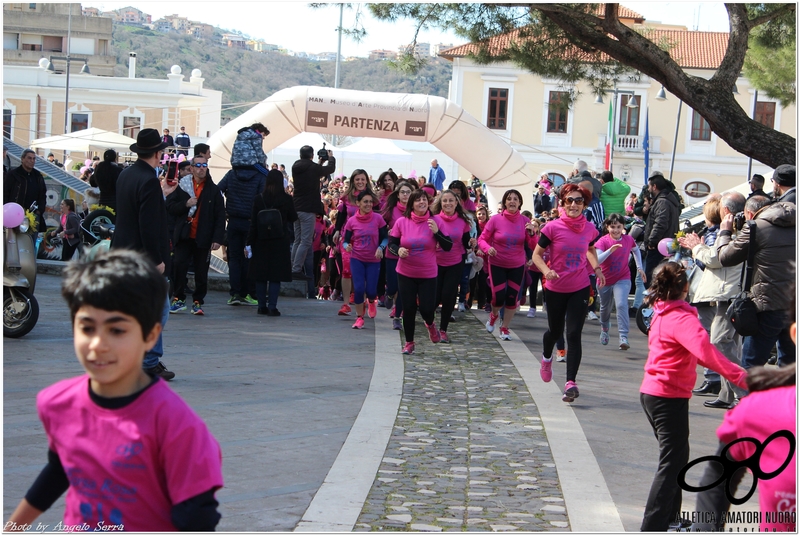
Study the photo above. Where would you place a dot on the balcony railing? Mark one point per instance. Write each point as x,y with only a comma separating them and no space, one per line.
630,143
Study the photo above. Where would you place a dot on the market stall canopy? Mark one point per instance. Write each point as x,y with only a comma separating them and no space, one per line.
91,139
370,148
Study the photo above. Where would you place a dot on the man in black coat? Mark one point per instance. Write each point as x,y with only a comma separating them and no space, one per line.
784,182
25,185
141,223
197,233
169,140
541,202
756,184
307,202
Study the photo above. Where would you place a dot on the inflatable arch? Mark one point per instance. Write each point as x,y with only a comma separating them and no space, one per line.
382,115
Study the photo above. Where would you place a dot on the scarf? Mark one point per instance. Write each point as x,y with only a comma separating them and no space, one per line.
419,218
575,224
401,207
513,218
448,218
363,217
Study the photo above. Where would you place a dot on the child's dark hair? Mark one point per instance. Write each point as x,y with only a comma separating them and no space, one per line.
118,280
668,283
366,193
612,219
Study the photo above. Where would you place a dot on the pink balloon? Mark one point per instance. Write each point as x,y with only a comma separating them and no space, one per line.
87,163
664,246
13,215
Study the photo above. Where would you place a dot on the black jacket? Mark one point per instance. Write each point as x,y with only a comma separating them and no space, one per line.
664,218
141,214
24,188
210,211
106,175
541,203
240,187
306,175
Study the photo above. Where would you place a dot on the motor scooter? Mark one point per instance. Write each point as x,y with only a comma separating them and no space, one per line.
20,308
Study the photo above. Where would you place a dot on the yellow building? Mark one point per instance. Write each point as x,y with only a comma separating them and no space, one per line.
524,109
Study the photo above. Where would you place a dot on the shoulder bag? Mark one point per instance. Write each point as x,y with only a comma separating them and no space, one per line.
270,223
742,311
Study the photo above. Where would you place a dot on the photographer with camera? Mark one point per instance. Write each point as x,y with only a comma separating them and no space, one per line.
774,273
307,175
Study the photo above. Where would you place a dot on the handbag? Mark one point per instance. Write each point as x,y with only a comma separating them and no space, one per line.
270,223
742,311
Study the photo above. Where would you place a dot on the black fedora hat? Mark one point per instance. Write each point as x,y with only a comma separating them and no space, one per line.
148,140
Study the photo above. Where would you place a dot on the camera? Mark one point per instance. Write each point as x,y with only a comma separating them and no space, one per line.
738,221
322,153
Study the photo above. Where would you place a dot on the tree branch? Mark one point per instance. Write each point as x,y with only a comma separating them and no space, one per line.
762,19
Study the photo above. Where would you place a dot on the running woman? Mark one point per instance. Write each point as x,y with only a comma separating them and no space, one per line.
462,192
394,210
385,185
483,289
453,222
570,240
613,251
365,238
535,274
413,239
503,241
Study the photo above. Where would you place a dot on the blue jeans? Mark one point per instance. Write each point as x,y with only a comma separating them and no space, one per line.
464,283
261,291
238,264
619,292
364,279
638,300
773,327
153,357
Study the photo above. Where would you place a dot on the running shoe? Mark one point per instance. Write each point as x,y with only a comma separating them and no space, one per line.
408,349
435,336
381,302
396,324
561,355
504,333
249,300
546,369
358,323
197,309
487,308
444,337
592,315
176,306
234,300
604,337
623,343
531,313
461,307
393,312
372,309
570,392
492,319
389,303
345,310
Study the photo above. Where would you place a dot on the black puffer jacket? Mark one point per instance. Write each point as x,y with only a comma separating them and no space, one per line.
240,186
664,218
775,255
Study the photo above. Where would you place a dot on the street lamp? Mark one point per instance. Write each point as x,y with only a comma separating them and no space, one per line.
662,96
83,70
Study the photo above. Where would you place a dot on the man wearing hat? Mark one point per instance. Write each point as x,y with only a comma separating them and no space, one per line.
784,180
141,222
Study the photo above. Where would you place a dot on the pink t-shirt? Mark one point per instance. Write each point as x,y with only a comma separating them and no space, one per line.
506,234
420,241
396,215
365,236
758,416
532,241
319,229
455,230
568,255
128,466
617,266
468,205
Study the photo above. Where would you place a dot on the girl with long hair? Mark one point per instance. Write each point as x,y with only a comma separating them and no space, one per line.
385,185
393,210
68,230
482,214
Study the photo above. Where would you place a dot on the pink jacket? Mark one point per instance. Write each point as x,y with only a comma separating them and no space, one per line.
677,342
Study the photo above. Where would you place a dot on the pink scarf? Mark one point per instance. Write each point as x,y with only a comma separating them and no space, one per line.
419,218
363,217
448,218
511,217
401,207
575,224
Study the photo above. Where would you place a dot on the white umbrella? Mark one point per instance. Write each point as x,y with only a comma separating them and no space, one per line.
85,141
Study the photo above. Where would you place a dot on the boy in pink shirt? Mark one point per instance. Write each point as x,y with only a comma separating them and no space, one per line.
130,453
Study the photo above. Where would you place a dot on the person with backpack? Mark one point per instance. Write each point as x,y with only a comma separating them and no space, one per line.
268,243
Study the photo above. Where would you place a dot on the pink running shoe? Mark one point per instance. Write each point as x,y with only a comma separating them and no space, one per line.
492,319
345,310
570,392
358,323
444,337
393,312
435,336
372,309
546,369
408,349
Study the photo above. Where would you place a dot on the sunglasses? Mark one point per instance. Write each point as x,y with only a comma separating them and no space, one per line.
200,165
573,200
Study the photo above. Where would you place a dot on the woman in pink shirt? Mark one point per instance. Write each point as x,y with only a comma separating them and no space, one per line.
393,210
453,222
503,241
385,185
677,341
365,239
572,256
413,239
535,274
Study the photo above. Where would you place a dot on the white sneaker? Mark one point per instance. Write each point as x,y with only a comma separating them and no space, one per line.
592,316
531,313
461,307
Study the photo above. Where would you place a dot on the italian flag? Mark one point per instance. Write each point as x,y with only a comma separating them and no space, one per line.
609,138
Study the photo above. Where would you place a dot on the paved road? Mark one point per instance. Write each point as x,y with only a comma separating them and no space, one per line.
460,437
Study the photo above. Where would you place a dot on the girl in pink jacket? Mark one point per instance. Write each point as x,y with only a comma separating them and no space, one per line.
677,342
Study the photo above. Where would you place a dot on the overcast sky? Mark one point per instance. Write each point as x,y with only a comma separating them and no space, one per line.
296,26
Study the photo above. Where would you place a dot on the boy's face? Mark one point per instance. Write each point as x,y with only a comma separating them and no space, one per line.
111,348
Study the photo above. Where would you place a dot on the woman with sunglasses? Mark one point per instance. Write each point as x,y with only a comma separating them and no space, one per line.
503,242
572,256
413,239
393,210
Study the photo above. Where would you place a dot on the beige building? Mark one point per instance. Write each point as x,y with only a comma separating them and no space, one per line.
525,109
32,31
201,30
382,54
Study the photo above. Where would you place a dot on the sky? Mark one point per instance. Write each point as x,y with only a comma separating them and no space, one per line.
298,27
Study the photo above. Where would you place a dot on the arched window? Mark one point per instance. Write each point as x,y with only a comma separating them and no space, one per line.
697,189
557,179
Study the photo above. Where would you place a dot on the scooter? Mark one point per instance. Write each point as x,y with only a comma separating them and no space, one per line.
20,308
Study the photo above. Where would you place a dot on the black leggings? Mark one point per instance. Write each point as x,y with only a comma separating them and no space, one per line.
505,284
447,290
409,289
567,309
536,276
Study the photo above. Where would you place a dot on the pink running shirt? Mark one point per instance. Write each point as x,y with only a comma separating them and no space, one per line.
365,236
617,266
420,241
455,230
506,234
567,255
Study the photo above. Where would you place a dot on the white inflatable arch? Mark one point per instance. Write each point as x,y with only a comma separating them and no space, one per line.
383,115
